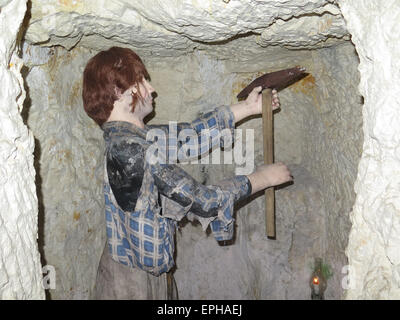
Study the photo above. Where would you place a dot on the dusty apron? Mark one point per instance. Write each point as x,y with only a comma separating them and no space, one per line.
116,281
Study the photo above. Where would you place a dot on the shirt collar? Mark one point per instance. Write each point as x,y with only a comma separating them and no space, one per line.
116,127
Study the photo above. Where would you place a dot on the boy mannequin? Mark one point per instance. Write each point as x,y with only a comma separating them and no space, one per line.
144,201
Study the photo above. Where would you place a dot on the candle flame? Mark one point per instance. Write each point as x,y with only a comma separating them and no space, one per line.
315,280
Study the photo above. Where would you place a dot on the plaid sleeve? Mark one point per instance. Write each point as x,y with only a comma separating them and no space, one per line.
219,120
189,140
183,195
232,190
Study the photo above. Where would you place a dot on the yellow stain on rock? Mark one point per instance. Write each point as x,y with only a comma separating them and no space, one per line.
305,85
243,82
64,156
68,154
77,215
237,87
75,93
70,3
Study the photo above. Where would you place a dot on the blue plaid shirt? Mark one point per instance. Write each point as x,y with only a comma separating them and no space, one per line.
145,199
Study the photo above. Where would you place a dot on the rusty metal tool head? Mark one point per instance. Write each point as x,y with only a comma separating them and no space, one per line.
275,80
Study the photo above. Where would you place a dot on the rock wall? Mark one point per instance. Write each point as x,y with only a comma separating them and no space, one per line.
315,115
374,243
333,148
312,215
173,28
69,149
20,269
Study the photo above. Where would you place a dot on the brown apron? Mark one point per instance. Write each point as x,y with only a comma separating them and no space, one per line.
117,281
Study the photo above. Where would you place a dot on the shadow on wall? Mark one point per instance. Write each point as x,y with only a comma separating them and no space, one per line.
38,177
37,152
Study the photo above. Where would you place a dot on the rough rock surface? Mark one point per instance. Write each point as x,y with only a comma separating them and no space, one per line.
70,166
312,214
374,243
20,269
171,28
333,147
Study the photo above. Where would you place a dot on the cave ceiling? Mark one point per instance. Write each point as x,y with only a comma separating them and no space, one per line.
236,29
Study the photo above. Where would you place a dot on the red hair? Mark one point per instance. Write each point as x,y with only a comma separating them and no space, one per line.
117,68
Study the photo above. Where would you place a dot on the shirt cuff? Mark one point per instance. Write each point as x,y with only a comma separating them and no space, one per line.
226,120
229,192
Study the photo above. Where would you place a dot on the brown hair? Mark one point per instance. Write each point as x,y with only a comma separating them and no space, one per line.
115,68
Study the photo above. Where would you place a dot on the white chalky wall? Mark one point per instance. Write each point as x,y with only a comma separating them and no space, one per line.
20,268
374,243
70,165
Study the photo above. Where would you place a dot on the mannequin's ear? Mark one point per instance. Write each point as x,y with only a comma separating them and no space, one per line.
134,88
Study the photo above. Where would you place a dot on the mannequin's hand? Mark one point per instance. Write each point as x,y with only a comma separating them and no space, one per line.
269,175
253,104
254,100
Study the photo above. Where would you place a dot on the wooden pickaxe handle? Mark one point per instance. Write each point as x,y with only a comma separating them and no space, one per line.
277,80
268,143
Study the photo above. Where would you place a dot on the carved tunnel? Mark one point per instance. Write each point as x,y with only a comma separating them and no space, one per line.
337,130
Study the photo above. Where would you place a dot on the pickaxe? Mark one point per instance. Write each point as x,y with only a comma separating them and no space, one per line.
275,80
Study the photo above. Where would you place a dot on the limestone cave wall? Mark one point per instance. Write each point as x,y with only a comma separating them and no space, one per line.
309,138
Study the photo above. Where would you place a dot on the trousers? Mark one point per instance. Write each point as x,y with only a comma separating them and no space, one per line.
116,281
